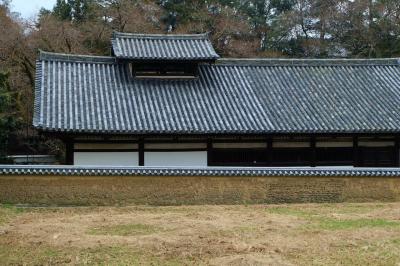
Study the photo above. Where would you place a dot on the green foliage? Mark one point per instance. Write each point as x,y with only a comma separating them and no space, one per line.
43,12
320,28
72,10
178,12
266,18
62,10
8,121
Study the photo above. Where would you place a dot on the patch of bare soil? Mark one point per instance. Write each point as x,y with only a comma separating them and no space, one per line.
215,235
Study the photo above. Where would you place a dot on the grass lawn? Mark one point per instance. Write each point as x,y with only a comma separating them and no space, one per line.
302,234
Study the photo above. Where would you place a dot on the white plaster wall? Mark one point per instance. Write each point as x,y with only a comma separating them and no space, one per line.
106,158
176,158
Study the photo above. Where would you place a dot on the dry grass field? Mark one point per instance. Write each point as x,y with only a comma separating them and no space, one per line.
303,234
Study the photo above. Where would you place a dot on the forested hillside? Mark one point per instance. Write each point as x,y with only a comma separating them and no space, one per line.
238,28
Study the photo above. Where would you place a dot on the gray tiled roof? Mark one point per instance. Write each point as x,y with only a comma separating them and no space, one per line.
163,47
208,171
96,94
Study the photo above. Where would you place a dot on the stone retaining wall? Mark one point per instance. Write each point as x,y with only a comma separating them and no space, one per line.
36,189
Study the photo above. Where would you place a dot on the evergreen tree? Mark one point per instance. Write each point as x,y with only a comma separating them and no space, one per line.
80,9
265,18
73,10
8,122
62,10
179,12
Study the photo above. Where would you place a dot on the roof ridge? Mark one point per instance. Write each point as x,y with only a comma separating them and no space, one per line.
198,36
309,61
75,57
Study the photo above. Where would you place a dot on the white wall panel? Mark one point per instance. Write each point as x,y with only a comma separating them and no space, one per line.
183,158
106,158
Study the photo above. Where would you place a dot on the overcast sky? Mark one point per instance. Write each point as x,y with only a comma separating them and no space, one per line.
30,8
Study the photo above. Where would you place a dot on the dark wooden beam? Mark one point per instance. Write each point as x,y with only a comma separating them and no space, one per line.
106,150
62,135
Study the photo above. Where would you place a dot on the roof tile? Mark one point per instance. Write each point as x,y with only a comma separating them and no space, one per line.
208,171
163,47
98,95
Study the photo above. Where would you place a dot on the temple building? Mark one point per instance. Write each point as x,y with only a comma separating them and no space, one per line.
170,100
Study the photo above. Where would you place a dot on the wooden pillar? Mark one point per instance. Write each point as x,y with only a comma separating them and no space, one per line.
269,151
313,152
69,152
209,152
356,152
141,152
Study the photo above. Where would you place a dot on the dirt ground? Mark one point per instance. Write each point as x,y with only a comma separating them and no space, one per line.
304,234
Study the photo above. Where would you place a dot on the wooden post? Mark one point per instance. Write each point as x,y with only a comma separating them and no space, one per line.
397,150
313,153
269,151
141,152
209,151
356,153
69,152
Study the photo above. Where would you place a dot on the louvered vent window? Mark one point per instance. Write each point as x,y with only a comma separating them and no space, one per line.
164,70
